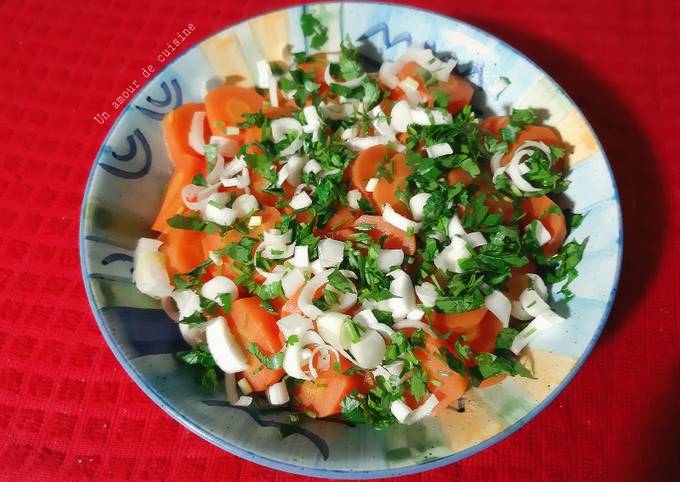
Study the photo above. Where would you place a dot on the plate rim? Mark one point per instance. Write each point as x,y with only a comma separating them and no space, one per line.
204,433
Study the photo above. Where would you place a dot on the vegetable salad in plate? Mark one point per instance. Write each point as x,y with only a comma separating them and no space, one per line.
357,244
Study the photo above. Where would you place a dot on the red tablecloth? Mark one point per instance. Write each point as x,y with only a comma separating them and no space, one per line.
69,412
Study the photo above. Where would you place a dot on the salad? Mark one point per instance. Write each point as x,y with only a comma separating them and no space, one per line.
358,243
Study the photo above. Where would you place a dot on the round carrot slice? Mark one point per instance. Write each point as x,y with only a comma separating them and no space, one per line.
397,171
226,105
550,215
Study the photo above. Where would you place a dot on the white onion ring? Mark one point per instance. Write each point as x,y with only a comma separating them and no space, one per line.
199,193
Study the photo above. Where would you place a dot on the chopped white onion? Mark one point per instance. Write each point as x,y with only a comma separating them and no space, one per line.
294,166
500,306
149,274
223,346
281,128
196,133
449,257
244,205
361,143
400,116
307,294
233,167
387,258
311,117
409,87
231,131
223,216
439,150
331,327
243,401
427,60
397,220
423,410
512,169
400,410
415,314
187,303
264,74
196,197
538,284
369,351
292,281
274,237
192,334
495,163
427,294
300,201
518,312
301,257
546,320
219,285
475,239
455,227
254,221
226,147
367,319
543,236
418,325
426,117
379,121
277,394
532,302
245,387
353,197
388,76
417,205
331,252
292,323
372,184
293,359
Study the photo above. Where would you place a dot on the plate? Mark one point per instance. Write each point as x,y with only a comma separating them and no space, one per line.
123,195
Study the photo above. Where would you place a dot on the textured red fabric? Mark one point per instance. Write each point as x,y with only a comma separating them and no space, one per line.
68,411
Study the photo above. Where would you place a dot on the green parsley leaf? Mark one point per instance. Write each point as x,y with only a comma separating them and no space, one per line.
272,362
314,30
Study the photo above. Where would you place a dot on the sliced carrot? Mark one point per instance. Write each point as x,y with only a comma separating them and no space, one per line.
183,250
290,307
172,200
415,71
252,134
212,242
386,190
484,338
324,395
342,219
457,322
495,201
226,105
459,175
277,112
491,381
254,324
365,166
458,89
518,281
176,127
447,384
493,124
396,238
538,208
